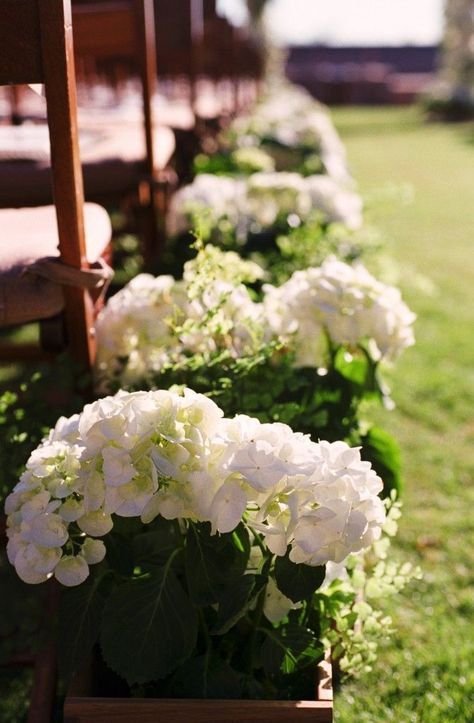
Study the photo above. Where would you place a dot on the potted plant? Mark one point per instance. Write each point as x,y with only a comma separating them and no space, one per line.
193,546
86,709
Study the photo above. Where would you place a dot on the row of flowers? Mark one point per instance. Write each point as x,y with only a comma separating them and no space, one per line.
155,322
224,515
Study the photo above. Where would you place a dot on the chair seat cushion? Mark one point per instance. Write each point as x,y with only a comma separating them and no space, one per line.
169,113
112,162
31,234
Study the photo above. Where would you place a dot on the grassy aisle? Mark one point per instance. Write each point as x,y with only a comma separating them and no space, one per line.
426,673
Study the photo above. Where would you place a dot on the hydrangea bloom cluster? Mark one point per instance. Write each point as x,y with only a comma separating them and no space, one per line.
220,197
145,454
153,322
135,330
336,202
258,201
270,195
292,118
345,302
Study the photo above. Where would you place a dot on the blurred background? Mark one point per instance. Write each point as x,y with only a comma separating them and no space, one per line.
365,52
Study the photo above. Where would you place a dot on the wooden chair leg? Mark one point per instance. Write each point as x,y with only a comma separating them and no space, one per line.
147,214
43,693
44,686
153,205
53,334
79,315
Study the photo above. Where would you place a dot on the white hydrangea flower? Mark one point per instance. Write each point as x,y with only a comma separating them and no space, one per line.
93,551
293,118
217,196
233,321
266,456
343,513
228,506
47,530
175,455
95,524
29,564
335,201
276,605
71,509
43,559
270,195
259,200
152,323
117,467
135,328
335,571
346,302
71,570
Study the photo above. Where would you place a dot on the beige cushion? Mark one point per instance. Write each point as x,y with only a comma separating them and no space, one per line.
166,112
28,235
112,162
127,143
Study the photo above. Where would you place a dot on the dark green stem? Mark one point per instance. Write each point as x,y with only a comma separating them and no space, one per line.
258,616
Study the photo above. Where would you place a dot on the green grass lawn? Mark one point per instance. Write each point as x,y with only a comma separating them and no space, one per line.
426,672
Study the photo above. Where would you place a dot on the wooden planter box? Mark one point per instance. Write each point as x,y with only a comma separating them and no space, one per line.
83,709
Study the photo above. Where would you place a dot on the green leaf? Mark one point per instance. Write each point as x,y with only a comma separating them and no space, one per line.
354,368
297,581
119,553
285,412
379,448
213,562
157,543
80,615
149,627
272,653
289,648
234,604
206,677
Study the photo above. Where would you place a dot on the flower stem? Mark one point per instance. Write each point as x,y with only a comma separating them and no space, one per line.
258,615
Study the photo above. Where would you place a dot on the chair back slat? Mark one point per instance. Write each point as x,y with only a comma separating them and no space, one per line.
173,37
110,30
105,30
145,27
60,89
209,9
20,44
36,46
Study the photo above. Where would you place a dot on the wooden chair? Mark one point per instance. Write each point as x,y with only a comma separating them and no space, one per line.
124,159
177,24
48,254
232,60
180,30
111,34
174,40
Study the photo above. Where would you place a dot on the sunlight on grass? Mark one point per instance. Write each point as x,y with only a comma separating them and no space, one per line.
425,674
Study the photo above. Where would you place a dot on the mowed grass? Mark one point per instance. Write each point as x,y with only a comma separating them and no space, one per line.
426,673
